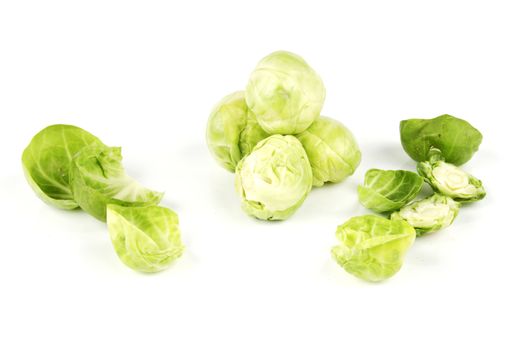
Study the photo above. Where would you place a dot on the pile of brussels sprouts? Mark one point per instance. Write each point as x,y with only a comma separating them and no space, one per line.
274,138
68,167
373,247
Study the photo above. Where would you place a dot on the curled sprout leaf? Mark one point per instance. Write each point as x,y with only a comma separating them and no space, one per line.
388,190
332,150
457,139
372,247
274,179
98,179
450,180
146,239
46,161
430,214
232,130
285,93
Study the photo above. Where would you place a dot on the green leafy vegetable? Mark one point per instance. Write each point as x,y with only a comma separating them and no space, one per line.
450,180
372,247
430,214
388,190
332,150
47,158
98,179
146,239
456,138
232,130
274,179
285,93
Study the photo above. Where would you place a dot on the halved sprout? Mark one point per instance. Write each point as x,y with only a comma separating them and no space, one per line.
146,239
98,179
388,190
285,93
274,179
332,150
372,247
450,180
430,214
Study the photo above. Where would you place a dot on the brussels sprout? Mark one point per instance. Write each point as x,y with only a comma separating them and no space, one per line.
387,190
373,248
146,239
274,179
232,130
46,162
284,93
98,178
332,150
450,180
430,214
456,138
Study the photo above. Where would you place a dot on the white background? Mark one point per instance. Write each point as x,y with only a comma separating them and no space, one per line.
145,74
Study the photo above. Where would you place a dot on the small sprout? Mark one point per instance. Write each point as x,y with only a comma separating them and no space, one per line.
332,150
46,161
373,248
450,180
388,190
98,179
146,239
430,214
274,179
285,93
456,138
232,130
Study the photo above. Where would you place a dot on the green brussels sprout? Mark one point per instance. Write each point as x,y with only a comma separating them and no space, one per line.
98,179
46,162
388,190
456,138
285,93
450,180
146,239
332,150
274,179
430,214
232,130
373,248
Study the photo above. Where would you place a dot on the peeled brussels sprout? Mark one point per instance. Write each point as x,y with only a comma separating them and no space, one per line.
332,150
430,214
284,93
456,138
146,239
98,179
232,130
450,180
373,248
46,162
388,190
274,179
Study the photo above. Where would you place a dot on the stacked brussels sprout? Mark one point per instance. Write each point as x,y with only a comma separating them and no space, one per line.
68,167
274,139
373,247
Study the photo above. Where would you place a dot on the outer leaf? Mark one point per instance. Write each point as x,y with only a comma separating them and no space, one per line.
387,190
98,179
372,247
146,239
332,150
47,158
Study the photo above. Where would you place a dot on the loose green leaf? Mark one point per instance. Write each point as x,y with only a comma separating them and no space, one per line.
332,150
274,179
146,239
373,248
388,190
98,179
